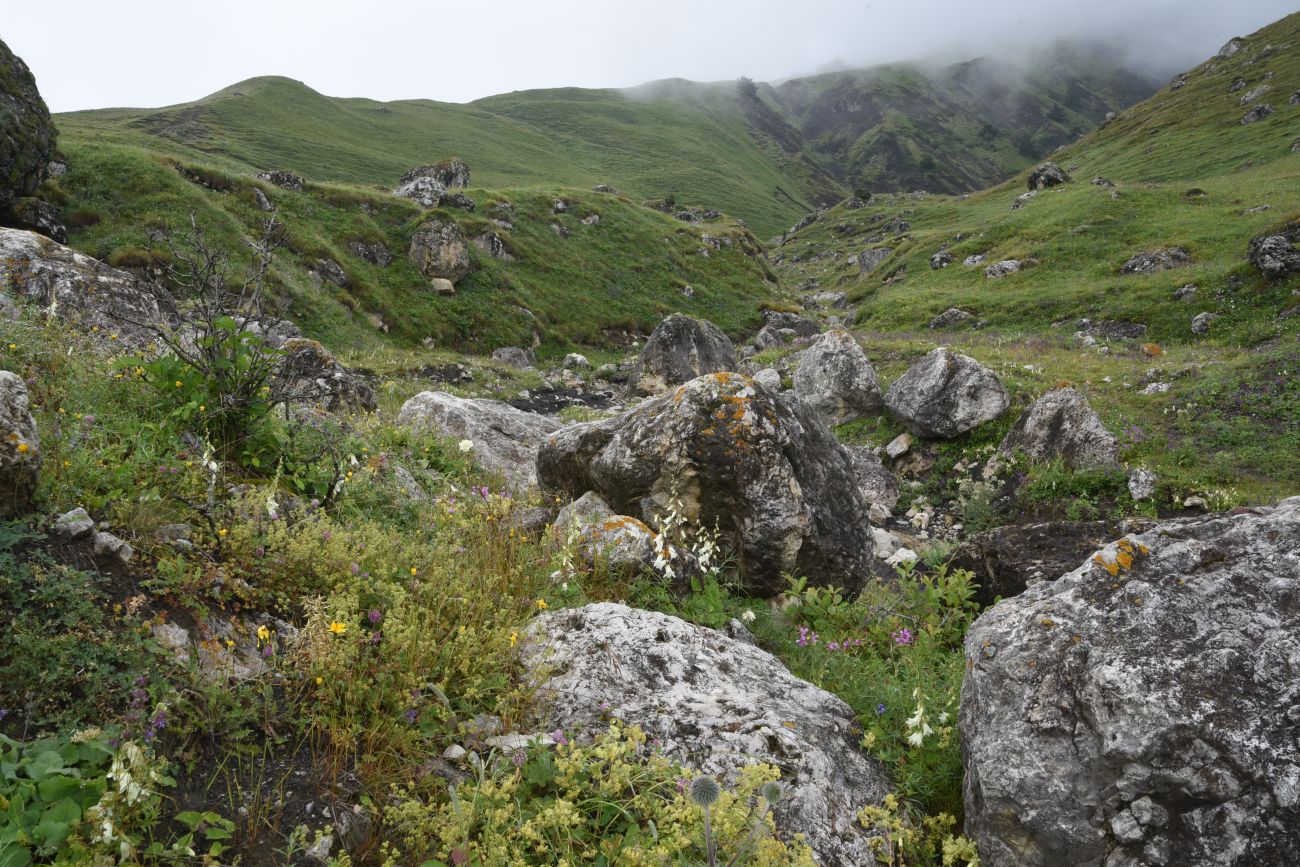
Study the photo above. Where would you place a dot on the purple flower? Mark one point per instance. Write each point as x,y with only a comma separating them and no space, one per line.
356,569
519,758
903,636
326,536
412,715
682,783
4,712
259,552
807,637
374,615
268,652
559,738
880,709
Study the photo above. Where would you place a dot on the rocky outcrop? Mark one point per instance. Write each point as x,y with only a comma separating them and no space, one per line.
1008,560
1257,113
945,395
429,184
1003,268
308,373
502,439
492,245
756,464
679,350
1061,424
1142,708
27,135
1276,253
941,260
953,317
20,449
438,249
1047,175
878,486
515,356
836,381
1154,261
283,180
84,292
373,252
715,704
869,260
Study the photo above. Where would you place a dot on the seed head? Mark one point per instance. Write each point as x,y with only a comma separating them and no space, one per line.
705,790
771,792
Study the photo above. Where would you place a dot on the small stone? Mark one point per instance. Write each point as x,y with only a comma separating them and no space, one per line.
1186,293
902,555
73,525
1142,484
899,446
454,753
1125,828
1194,503
1157,388
1201,323
1148,812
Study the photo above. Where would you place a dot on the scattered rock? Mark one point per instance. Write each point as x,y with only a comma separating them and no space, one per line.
715,704
1061,424
438,249
1002,269
756,463
680,349
1276,253
1295,98
373,252
31,213
429,184
331,272
1153,261
898,446
503,439
283,180
603,536
1047,175
20,450
945,394
973,260
941,260
877,485
84,292
952,318
515,356
836,381
1157,388
73,525
1099,181
1252,95
1201,322
1008,560
1257,113
1113,329
1186,293
458,200
308,373
869,260
1097,722
491,244
769,379
605,188
1231,47
1024,199
112,554
262,202
1142,484
575,361
28,141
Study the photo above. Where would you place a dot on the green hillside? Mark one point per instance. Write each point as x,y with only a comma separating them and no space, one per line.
960,128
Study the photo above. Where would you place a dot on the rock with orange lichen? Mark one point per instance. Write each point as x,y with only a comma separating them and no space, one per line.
680,349
600,535
755,463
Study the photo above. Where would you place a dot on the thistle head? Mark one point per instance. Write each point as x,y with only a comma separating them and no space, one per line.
771,792
705,790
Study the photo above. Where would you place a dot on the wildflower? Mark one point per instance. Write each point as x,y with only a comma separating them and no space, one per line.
806,637
519,758
263,634
514,638
414,571
223,532
230,644
559,738
903,636
338,628
747,616
412,715
466,445
23,448
179,384
880,709
541,605
319,681
268,652
374,615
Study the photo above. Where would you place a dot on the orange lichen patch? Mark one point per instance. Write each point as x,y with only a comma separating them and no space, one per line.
1047,621
1065,383
723,377
1143,549
1124,559
1112,568
1153,349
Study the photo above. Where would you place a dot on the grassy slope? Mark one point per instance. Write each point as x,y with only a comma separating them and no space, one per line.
633,263
1230,426
690,140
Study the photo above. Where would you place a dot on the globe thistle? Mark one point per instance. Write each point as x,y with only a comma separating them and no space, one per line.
772,792
705,790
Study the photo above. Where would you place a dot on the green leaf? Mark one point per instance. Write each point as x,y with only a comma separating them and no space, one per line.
14,855
52,789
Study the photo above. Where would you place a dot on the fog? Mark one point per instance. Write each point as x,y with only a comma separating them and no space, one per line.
92,54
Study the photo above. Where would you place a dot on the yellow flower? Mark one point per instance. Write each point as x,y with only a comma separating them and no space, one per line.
179,383
541,605
414,571
230,644
263,634
514,637
222,532
319,681
338,628
23,447
203,408
13,346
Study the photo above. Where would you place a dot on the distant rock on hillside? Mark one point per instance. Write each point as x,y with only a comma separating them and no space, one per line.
1142,709
27,135
439,250
429,184
1276,253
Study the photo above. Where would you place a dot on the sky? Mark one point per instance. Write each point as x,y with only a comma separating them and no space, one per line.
145,53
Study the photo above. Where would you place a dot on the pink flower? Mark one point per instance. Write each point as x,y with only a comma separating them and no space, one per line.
904,636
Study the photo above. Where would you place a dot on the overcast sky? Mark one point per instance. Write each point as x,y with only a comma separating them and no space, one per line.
100,53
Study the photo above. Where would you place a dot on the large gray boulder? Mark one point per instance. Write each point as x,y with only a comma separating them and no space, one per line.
451,174
439,250
1143,709
836,381
1061,424
503,439
1276,253
307,372
27,135
20,448
28,212
680,349
756,463
84,292
877,485
715,704
946,394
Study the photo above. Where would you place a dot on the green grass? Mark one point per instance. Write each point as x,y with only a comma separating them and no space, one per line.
624,273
